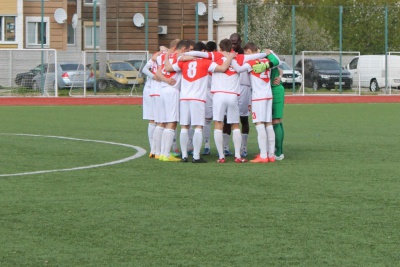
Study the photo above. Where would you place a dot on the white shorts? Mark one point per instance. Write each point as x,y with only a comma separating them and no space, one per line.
192,113
158,114
244,100
225,104
169,104
262,111
148,107
209,103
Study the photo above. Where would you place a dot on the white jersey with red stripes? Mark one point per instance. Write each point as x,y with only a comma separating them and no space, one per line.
226,82
173,58
155,85
260,82
195,78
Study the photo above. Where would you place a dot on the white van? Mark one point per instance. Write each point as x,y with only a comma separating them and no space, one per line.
369,71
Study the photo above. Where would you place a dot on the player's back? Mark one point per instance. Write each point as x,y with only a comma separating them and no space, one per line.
225,82
195,78
260,82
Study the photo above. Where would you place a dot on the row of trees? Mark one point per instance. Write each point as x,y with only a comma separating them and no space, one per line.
318,24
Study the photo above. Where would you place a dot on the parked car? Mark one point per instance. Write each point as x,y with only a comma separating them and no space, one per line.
369,71
25,78
323,72
137,63
287,76
68,74
120,74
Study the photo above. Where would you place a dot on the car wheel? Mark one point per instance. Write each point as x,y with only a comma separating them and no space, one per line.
25,83
102,84
373,87
118,85
35,86
315,85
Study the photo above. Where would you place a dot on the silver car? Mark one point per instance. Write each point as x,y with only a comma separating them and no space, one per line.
287,76
69,75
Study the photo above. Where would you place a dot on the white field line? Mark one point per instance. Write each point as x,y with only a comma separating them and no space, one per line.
140,152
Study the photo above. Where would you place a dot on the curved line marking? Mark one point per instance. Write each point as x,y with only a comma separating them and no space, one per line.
140,153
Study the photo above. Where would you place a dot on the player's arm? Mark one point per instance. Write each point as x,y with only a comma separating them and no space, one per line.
226,64
277,74
199,54
273,58
146,69
162,78
243,68
167,65
273,61
254,56
186,58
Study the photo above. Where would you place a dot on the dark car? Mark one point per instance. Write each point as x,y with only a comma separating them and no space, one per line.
25,78
137,63
324,72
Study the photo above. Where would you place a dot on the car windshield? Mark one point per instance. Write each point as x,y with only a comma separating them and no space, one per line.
121,66
327,65
71,66
285,66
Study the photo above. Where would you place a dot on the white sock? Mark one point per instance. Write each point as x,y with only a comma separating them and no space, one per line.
226,139
184,140
270,140
244,141
207,133
197,142
168,138
190,144
262,140
174,143
150,132
218,143
157,139
237,141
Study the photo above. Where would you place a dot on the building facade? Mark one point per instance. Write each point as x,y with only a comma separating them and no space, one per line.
77,25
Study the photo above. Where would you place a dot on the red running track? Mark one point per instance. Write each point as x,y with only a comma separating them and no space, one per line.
70,101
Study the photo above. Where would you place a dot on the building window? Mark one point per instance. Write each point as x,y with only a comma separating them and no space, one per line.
89,37
34,32
71,35
7,29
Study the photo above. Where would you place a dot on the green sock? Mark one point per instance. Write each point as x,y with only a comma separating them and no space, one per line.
283,136
278,139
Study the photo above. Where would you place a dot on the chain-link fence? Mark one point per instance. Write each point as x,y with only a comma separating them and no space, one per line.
292,30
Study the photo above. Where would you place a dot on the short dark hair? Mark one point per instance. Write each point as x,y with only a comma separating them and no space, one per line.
191,43
225,45
251,46
182,44
199,46
211,46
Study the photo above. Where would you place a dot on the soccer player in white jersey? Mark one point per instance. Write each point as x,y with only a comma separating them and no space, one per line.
150,94
262,103
155,96
193,98
211,46
244,99
169,96
225,89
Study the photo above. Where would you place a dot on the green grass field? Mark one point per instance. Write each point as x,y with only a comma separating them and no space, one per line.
333,201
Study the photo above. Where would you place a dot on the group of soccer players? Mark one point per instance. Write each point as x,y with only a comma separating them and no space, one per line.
194,84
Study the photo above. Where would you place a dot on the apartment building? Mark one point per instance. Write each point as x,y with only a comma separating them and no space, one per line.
76,25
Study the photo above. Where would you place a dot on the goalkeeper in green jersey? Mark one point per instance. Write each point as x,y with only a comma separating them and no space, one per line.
278,101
